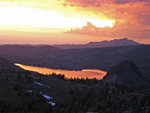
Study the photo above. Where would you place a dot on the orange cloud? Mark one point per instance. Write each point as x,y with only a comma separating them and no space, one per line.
119,30
98,3
132,11
132,18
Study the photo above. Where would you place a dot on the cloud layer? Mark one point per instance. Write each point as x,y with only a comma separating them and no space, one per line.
132,17
98,3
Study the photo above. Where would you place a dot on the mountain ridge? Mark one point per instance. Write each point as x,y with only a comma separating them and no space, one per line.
101,44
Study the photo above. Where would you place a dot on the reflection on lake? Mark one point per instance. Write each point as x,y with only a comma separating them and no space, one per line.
85,73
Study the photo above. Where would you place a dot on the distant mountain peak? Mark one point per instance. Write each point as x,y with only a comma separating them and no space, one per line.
116,40
111,43
102,44
124,39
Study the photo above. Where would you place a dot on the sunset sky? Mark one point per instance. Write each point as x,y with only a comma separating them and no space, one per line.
73,21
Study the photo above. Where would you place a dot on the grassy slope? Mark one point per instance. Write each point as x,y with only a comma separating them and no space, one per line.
58,88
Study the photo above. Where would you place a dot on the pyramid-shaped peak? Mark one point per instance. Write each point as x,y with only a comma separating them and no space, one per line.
126,73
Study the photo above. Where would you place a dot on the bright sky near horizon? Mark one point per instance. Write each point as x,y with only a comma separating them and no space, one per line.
73,21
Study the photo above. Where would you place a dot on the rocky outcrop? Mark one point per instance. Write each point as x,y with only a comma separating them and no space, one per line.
127,74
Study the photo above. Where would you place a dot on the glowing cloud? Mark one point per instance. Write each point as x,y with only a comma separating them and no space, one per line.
26,16
59,16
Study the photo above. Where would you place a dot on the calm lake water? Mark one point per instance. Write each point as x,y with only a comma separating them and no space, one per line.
85,73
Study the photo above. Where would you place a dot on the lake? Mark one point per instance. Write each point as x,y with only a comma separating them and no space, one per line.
85,73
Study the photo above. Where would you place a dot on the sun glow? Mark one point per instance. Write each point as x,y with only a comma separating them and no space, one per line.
27,16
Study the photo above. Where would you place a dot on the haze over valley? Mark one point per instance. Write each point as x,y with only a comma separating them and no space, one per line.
78,59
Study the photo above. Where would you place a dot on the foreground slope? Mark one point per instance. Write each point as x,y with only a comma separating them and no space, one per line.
6,66
23,92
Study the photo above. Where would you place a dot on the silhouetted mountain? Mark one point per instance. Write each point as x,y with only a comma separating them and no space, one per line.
127,74
111,43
